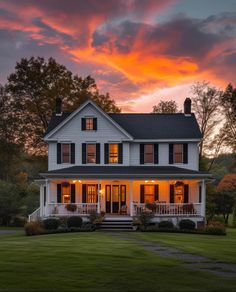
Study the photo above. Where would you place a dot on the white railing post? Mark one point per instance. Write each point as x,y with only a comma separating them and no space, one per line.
203,197
99,197
131,198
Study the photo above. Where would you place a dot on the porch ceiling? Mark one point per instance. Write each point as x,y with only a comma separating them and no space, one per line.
127,172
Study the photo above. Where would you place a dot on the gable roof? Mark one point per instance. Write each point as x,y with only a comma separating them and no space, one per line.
141,126
57,121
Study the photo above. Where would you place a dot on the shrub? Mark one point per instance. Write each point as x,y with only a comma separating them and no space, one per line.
74,221
166,225
144,218
218,219
71,207
33,228
51,223
217,229
95,218
187,224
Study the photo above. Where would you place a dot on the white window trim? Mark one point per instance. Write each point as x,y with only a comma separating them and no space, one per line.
178,163
149,163
69,153
87,153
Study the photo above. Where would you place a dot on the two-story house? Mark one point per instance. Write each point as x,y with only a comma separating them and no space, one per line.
122,163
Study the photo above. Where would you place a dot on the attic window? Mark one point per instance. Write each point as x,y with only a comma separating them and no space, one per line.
89,123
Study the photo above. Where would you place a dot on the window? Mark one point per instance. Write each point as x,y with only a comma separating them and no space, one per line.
65,194
178,153
91,153
179,194
149,194
113,153
91,194
65,153
89,123
148,153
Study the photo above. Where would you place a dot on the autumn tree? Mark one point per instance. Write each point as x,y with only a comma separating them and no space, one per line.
206,106
228,102
166,107
33,88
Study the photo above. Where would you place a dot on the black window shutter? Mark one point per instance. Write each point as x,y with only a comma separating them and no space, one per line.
185,148
84,153
186,191
171,154
120,153
141,193
72,148
58,193
156,194
95,124
156,153
72,193
44,196
172,194
83,124
98,153
58,153
141,153
106,153
200,194
84,193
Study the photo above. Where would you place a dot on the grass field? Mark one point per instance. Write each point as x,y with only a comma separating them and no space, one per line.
100,262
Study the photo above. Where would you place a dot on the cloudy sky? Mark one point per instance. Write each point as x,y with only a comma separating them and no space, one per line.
140,51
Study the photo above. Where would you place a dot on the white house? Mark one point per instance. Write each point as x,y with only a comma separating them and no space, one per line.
122,164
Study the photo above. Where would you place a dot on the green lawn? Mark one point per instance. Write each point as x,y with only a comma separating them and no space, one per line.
96,262
221,248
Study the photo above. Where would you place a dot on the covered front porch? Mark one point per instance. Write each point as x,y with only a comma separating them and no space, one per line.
121,197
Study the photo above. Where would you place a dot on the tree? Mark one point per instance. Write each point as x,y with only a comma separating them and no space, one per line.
166,107
228,102
224,202
206,102
33,88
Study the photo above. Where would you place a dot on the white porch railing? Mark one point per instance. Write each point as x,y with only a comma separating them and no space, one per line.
168,209
35,215
60,209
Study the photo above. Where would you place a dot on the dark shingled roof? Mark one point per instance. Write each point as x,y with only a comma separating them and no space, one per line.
125,172
149,126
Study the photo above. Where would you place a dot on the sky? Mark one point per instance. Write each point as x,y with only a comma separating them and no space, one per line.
140,51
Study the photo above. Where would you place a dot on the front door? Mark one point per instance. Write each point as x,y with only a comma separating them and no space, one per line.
115,198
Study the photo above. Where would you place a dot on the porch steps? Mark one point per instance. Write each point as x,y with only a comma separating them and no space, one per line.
117,224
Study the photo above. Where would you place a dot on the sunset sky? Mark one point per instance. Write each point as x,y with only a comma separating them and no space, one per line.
140,51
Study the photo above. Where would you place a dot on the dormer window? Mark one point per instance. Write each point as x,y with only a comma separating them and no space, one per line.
89,124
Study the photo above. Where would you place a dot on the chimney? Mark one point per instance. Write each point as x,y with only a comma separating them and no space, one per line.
187,106
58,106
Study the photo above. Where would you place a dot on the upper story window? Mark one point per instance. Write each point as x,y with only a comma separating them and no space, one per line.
65,153
178,153
89,124
91,153
148,153
113,153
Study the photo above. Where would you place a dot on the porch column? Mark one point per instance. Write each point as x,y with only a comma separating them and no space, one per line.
203,195
46,208
99,197
131,198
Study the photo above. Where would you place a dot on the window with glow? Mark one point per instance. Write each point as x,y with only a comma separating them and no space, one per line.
178,153
65,192
148,153
91,194
65,153
91,153
113,153
179,194
149,193
89,123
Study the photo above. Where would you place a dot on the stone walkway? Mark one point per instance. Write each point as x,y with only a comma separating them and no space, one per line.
4,232
191,261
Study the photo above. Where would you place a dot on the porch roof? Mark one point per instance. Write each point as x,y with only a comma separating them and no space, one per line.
126,172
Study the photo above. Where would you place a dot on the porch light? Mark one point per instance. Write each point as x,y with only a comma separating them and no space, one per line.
146,181
153,181
74,181
79,181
